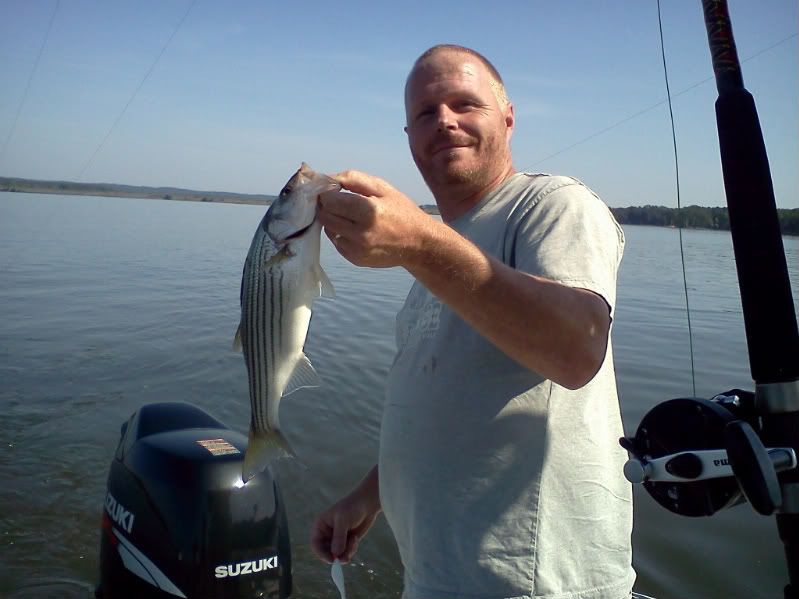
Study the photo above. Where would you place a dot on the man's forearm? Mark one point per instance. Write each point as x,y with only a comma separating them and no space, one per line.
558,331
369,488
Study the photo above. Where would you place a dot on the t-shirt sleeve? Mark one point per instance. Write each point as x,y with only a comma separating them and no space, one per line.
567,234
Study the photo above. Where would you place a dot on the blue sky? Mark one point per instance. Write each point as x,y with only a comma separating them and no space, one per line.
246,90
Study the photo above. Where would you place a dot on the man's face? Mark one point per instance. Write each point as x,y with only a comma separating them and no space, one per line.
458,130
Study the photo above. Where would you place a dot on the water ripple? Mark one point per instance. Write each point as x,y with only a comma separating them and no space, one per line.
110,304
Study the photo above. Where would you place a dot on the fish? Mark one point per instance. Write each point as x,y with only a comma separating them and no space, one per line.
281,279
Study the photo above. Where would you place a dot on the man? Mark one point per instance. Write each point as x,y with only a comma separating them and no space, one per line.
499,469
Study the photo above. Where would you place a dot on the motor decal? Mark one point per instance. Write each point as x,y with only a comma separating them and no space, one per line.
244,568
118,513
141,566
218,446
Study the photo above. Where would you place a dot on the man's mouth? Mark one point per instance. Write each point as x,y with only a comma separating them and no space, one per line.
447,147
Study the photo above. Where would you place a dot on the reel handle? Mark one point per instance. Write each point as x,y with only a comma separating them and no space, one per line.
755,468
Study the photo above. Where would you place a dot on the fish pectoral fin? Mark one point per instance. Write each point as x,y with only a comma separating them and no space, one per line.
303,375
237,339
325,286
276,258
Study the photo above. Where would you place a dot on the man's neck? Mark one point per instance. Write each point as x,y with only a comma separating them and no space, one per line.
454,202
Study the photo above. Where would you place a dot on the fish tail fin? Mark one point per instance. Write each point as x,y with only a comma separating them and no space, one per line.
262,450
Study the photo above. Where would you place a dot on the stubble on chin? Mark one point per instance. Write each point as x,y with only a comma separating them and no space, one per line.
454,174
459,172
438,172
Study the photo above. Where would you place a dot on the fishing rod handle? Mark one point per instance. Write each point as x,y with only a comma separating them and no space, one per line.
722,46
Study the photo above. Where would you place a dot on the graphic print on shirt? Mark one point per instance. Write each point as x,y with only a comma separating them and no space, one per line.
419,318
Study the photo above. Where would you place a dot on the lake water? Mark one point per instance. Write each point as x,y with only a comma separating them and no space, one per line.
107,304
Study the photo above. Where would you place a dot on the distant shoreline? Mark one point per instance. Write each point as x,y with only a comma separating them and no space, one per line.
690,217
113,190
143,196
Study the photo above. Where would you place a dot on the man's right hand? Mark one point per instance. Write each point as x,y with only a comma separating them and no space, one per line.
373,224
337,531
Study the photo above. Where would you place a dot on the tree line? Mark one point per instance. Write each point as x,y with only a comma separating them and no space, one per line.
690,217
696,217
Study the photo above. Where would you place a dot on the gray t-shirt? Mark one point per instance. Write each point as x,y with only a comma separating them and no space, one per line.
496,482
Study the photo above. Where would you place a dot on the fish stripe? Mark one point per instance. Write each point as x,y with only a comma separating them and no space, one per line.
261,334
251,359
279,335
255,334
253,325
245,320
268,363
269,360
251,345
256,338
262,312
275,345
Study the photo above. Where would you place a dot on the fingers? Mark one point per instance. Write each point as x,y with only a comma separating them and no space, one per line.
340,202
341,528
352,547
334,536
320,539
373,223
345,206
334,222
362,183
336,541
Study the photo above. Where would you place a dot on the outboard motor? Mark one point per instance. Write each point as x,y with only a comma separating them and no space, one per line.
179,522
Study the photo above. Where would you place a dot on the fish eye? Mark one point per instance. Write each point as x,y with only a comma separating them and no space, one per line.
286,190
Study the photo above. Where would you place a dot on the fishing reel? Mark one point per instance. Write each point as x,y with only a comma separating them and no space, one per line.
698,456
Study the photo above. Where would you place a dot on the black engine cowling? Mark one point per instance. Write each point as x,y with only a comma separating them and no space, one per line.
179,522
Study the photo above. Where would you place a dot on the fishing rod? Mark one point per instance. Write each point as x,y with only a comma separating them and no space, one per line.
769,317
697,456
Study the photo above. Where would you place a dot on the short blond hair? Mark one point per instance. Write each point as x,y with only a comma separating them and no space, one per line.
496,83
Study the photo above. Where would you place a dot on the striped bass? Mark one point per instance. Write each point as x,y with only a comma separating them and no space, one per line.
282,277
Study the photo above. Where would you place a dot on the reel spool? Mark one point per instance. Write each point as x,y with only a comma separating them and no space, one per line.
697,456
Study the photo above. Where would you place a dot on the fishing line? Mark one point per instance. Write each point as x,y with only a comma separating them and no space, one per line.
679,206
28,86
653,106
135,92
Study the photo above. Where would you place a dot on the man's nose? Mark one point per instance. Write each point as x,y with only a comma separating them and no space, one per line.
446,118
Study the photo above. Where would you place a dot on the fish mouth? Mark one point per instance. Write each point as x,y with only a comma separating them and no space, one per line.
285,231
297,234
282,230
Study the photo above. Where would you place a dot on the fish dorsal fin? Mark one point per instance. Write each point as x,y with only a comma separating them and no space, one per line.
303,375
325,286
237,339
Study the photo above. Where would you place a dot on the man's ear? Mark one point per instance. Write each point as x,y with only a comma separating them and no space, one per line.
510,120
